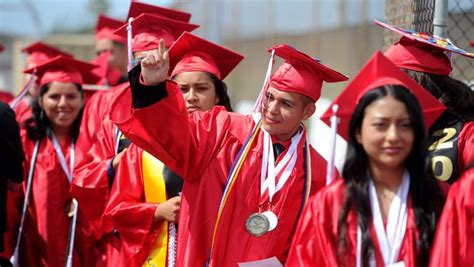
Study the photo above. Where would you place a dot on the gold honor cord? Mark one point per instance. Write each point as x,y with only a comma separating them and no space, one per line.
233,173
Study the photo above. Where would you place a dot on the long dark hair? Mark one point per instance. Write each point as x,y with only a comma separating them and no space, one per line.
221,91
454,94
37,125
426,196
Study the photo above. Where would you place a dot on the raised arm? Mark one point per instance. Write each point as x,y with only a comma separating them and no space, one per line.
154,117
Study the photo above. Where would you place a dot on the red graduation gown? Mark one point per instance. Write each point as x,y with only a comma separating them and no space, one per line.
201,149
130,213
315,240
23,111
47,225
6,96
466,146
454,240
90,184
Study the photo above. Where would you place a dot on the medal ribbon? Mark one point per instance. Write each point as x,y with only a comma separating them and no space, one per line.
308,174
62,159
235,170
390,241
233,173
268,163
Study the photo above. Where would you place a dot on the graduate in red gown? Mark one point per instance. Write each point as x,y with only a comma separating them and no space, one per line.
111,51
384,210
108,42
451,137
238,214
144,199
95,171
38,53
51,134
146,30
453,244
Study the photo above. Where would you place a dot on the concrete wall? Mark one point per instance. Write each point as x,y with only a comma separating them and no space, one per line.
345,49
80,45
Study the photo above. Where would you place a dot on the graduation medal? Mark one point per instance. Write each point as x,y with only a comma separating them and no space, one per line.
259,224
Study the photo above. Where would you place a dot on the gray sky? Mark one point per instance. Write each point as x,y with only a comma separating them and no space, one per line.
16,16
293,16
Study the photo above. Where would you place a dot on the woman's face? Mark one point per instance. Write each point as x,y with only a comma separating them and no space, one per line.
198,90
61,104
386,133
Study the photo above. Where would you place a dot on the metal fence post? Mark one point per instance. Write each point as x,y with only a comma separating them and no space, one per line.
440,19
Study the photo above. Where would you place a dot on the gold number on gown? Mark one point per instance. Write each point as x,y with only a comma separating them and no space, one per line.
444,142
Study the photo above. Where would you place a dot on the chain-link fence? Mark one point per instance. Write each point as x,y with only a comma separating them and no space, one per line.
418,15
461,32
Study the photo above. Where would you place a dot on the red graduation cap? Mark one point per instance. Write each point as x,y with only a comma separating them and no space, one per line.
301,74
106,27
408,55
65,69
192,53
421,51
377,72
138,8
39,53
148,29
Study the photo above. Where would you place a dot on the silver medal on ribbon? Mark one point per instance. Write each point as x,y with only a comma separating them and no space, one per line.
259,224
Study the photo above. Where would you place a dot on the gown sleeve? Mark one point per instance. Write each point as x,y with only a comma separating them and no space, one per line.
161,126
453,244
130,214
90,185
466,146
314,242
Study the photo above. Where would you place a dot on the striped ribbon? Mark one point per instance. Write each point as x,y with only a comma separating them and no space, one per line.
308,172
233,173
235,170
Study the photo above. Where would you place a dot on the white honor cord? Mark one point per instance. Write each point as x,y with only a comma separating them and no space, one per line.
332,145
72,233
390,241
268,164
129,44
172,232
62,159
118,133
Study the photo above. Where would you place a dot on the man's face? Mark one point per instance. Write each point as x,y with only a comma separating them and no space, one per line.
283,112
118,53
